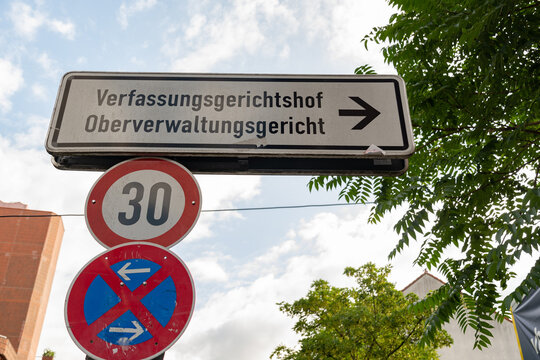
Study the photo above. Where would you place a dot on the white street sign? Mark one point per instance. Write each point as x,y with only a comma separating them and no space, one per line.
218,115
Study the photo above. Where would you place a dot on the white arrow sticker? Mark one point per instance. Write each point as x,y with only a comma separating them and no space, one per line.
137,331
124,271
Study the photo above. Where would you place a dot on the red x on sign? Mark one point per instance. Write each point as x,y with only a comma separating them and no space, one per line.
131,302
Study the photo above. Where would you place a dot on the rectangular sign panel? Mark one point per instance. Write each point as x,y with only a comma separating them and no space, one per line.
230,116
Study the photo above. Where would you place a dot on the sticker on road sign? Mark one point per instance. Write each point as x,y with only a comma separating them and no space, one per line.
145,199
133,301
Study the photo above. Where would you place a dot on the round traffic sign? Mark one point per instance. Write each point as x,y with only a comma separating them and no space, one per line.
131,302
144,199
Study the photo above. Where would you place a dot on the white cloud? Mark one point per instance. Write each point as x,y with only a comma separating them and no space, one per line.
196,24
269,261
35,134
27,21
65,28
137,61
217,33
39,91
284,53
81,60
50,67
222,192
242,324
31,178
220,33
12,80
128,9
208,269
225,190
343,24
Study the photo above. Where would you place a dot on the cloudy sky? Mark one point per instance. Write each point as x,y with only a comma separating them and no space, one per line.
242,262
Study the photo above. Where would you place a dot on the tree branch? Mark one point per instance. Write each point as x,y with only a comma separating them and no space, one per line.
530,6
406,339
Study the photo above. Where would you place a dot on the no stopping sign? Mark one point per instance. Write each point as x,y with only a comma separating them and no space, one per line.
146,199
133,301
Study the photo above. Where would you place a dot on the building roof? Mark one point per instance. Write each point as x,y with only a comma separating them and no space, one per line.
426,273
13,205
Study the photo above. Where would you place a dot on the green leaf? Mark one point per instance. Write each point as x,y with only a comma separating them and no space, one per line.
473,184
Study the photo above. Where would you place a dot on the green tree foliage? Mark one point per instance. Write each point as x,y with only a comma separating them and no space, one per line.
48,353
472,74
371,320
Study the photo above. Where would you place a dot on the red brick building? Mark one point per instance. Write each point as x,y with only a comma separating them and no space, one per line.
29,246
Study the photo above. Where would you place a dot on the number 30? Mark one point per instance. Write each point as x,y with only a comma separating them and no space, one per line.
151,212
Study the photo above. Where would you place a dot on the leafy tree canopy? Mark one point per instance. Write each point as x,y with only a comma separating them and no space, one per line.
472,74
371,320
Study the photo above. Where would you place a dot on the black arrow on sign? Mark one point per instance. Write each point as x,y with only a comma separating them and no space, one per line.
368,111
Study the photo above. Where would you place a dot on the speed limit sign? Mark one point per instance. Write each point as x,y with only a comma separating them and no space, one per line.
145,199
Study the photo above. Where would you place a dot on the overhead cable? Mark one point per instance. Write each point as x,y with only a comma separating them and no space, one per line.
281,207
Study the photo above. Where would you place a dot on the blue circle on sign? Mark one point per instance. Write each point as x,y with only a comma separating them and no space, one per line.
127,329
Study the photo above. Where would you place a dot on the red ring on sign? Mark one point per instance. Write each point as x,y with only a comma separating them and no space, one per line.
163,337
192,207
